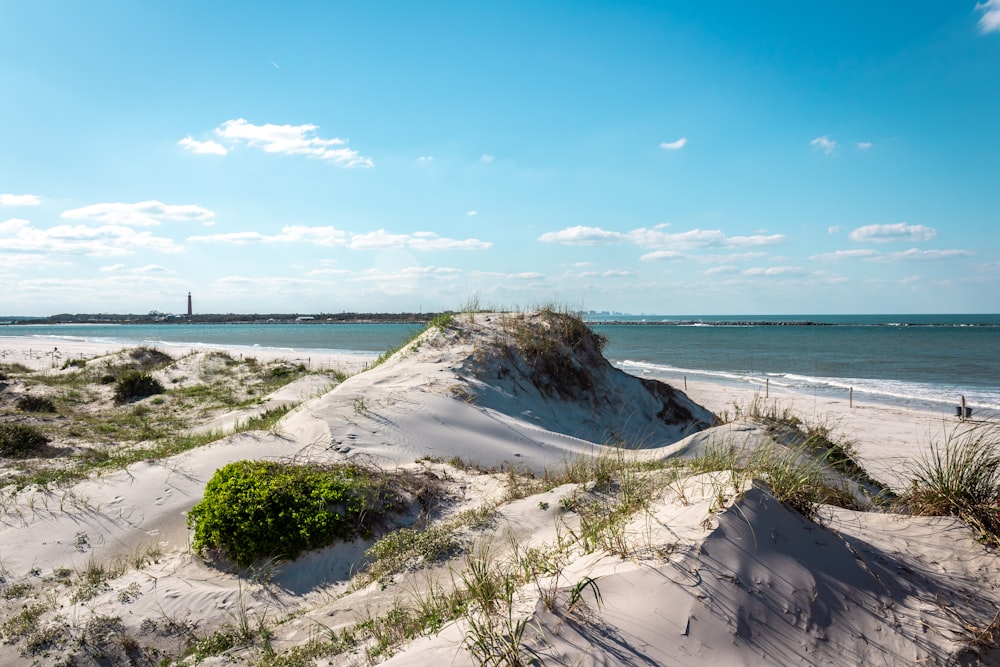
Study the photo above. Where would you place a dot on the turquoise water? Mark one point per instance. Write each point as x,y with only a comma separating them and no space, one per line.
925,361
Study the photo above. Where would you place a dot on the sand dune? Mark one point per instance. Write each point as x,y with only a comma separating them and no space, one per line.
711,570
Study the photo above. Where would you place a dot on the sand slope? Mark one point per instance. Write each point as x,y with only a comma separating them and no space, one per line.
459,391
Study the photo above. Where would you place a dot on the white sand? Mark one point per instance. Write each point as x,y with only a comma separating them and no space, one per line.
756,584
28,352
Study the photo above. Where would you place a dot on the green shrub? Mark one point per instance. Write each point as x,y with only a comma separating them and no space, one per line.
133,384
264,509
20,440
35,404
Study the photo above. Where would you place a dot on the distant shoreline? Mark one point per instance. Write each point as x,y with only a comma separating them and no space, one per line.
424,318
229,318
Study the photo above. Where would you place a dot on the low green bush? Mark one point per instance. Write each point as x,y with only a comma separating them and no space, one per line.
35,404
264,509
20,440
134,384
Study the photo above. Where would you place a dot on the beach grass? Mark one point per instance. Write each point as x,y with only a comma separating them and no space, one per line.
960,477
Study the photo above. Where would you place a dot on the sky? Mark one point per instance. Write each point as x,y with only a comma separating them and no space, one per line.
688,157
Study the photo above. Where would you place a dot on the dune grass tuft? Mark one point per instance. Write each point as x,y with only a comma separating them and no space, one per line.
960,477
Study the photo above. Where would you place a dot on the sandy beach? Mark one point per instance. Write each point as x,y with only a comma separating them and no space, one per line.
713,570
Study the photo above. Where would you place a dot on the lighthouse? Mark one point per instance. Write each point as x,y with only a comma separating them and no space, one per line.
189,304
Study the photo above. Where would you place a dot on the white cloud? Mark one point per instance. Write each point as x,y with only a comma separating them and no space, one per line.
899,231
15,261
835,229
141,214
425,158
324,236
202,147
844,254
864,145
755,240
20,200
487,158
824,143
773,271
381,239
430,241
674,145
292,140
235,238
990,20
333,237
667,243
661,254
927,255
321,236
111,267
378,240
495,277
698,238
471,213
732,257
580,235
718,270
614,273
106,241
328,272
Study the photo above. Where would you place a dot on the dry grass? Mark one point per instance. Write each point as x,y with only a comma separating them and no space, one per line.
960,477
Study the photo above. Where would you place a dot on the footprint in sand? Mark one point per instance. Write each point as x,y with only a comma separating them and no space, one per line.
166,493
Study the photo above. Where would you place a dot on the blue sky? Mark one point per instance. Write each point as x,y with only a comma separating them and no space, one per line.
673,157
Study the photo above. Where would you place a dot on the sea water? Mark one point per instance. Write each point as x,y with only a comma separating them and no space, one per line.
922,361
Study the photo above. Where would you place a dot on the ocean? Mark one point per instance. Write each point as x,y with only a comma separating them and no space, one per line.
921,361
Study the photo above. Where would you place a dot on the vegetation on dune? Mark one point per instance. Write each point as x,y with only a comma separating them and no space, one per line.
21,440
133,384
960,478
35,404
264,509
103,427
557,347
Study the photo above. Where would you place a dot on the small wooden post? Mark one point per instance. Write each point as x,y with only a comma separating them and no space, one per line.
685,383
962,415
850,402
767,387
